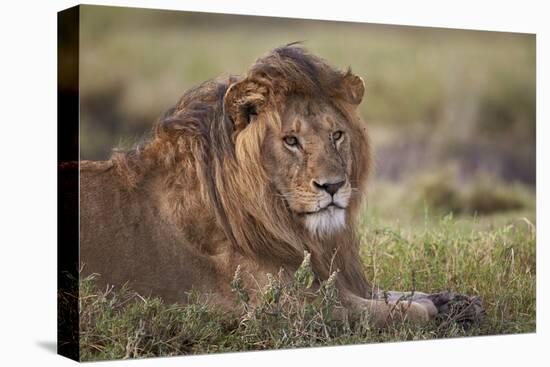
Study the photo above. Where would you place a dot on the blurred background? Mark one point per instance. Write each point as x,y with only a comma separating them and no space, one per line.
451,113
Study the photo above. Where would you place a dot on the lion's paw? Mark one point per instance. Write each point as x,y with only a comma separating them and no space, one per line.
457,308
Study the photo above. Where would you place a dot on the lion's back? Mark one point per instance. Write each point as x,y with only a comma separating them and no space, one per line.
125,237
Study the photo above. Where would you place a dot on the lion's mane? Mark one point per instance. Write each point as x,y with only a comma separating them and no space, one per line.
196,145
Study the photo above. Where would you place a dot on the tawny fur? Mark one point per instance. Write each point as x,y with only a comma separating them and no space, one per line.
183,209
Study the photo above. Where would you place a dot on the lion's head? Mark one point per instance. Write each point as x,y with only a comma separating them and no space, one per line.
308,159
300,114
279,154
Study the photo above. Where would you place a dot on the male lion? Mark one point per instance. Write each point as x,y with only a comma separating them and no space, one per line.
250,171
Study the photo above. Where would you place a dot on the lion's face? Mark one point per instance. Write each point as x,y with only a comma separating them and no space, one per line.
296,116
308,158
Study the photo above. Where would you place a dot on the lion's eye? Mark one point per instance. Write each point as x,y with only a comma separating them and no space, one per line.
337,135
291,141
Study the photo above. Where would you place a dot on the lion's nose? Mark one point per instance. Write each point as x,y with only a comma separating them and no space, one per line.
331,188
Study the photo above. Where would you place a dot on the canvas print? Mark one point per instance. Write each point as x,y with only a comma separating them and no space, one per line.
236,183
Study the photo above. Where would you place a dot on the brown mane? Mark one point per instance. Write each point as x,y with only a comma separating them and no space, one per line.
197,144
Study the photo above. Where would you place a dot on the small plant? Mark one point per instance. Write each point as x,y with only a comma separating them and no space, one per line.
303,277
485,194
237,287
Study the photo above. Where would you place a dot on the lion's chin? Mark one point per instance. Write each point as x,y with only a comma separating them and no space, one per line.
326,221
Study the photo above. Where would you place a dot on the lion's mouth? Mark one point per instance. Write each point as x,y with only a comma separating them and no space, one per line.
330,208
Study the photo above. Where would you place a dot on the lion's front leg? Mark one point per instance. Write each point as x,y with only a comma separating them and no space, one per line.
383,312
450,306
419,308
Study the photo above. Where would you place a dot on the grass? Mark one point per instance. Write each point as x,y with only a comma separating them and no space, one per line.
491,256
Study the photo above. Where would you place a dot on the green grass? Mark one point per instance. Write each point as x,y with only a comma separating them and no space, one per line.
491,256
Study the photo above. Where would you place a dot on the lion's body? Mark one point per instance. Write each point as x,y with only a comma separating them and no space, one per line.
216,187
126,237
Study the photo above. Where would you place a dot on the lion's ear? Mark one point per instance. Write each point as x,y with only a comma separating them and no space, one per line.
243,101
353,88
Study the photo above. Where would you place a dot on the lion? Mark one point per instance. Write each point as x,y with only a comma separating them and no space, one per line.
246,171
